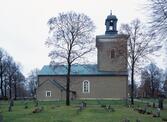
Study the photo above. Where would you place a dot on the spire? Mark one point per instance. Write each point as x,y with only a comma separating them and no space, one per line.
111,12
111,24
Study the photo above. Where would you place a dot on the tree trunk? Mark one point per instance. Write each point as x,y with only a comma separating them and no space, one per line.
132,84
15,94
2,94
152,85
10,88
153,93
5,89
68,86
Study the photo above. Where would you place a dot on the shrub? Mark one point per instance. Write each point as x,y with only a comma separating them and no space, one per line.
38,110
164,119
5,98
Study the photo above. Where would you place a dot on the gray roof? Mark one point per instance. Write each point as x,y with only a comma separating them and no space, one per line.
78,69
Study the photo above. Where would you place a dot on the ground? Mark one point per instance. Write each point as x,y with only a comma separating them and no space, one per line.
58,112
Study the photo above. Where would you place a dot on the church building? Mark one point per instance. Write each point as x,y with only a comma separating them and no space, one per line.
108,79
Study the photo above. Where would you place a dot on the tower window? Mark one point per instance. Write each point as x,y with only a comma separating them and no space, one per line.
86,86
112,53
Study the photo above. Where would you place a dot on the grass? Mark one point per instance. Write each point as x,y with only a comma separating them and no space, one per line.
58,112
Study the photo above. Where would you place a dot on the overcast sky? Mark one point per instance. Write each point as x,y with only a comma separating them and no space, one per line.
24,30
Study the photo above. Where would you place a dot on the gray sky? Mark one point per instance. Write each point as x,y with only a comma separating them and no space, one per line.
23,28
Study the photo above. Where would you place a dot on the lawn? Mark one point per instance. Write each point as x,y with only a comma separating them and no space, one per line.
58,112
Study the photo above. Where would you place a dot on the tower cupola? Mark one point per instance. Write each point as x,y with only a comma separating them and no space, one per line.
111,24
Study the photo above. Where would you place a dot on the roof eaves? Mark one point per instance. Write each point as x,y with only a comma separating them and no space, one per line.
84,74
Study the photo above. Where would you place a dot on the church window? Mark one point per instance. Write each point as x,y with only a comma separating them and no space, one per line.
86,86
48,93
112,53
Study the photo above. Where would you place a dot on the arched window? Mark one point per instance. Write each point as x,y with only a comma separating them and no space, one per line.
86,86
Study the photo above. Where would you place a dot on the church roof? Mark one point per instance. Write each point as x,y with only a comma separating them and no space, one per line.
78,69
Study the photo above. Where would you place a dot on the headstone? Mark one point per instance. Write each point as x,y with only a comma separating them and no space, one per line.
84,104
138,120
36,103
25,105
126,120
81,106
11,103
107,108
160,103
158,112
145,108
153,104
10,108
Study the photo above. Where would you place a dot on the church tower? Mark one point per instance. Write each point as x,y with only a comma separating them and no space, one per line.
112,48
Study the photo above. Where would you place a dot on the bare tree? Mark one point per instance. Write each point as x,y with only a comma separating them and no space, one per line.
33,81
155,78
71,38
139,44
10,74
18,78
145,84
151,80
165,82
158,11
3,67
12,68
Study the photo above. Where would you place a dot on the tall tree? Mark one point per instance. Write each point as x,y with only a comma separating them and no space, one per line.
71,38
151,79
12,68
165,86
165,82
3,66
145,83
9,74
18,78
139,46
158,12
33,81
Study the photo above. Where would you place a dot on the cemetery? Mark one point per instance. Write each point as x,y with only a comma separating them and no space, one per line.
83,110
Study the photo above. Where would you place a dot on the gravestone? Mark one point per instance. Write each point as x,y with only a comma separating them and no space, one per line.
158,112
25,105
138,120
160,103
126,120
36,103
11,103
153,104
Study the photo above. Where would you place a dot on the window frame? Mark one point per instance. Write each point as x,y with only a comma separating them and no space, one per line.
47,94
86,89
